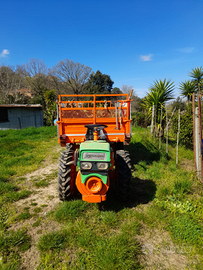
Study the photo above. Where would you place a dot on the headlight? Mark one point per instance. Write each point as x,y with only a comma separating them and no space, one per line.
102,166
94,156
86,165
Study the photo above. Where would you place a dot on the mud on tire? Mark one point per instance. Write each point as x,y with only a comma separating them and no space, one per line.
123,165
66,174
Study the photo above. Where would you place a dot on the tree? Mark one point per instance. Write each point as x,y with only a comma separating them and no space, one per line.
37,76
99,83
50,112
126,89
187,89
11,81
186,131
116,90
179,104
160,92
35,67
197,75
72,76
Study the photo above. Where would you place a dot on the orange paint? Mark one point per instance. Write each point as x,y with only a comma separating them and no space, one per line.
95,134
74,115
93,190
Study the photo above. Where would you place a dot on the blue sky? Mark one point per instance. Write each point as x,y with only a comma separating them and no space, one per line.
135,42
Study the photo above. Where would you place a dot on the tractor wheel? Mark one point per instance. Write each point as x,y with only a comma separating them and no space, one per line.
66,174
123,168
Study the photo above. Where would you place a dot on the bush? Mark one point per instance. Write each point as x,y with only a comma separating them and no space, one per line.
140,119
186,127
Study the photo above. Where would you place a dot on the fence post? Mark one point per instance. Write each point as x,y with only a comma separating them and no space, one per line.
194,145
154,123
166,132
160,129
178,133
152,120
197,143
200,135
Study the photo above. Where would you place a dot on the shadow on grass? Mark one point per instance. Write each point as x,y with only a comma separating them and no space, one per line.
139,152
142,192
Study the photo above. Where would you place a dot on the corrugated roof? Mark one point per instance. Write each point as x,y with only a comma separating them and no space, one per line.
20,106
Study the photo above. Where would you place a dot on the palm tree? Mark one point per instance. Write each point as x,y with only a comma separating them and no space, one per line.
197,75
187,89
160,92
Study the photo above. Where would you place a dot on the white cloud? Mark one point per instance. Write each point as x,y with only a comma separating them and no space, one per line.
146,57
186,49
4,53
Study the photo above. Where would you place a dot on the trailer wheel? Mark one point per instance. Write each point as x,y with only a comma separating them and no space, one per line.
66,174
123,168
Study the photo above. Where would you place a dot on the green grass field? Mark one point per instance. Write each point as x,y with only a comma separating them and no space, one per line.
99,236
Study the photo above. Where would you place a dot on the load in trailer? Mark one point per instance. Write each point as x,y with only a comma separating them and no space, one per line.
94,128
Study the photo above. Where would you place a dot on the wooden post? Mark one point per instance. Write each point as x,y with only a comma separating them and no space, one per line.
166,132
167,126
194,146
178,133
160,129
152,120
200,133
154,123
197,143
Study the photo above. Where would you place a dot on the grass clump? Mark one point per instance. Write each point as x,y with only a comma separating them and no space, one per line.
53,240
11,244
184,228
70,210
45,181
23,216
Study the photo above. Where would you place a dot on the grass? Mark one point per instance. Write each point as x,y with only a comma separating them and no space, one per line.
101,239
100,236
38,182
13,243
21,152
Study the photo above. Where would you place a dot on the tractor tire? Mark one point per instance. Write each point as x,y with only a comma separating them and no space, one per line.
66,174
123,169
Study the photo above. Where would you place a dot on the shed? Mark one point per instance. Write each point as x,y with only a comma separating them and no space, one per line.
18,116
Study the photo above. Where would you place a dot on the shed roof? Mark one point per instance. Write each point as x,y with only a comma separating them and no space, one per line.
20,106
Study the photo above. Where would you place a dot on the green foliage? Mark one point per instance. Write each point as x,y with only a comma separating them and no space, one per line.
179,104
140,119
98,83
186,126
197,75
160,92
116,90
187,89
50,112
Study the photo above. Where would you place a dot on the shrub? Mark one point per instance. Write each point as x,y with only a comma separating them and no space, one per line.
186,127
